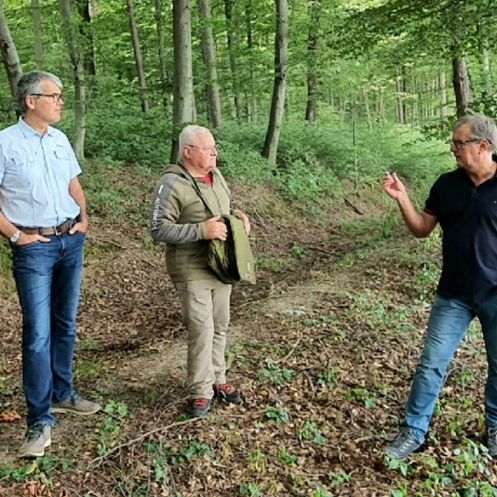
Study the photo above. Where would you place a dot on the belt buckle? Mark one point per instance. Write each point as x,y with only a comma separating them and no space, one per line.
58,229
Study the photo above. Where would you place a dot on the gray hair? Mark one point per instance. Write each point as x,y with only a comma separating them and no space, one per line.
188,135
31,83
482,128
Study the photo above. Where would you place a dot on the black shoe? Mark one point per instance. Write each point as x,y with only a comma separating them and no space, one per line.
200,408
227,393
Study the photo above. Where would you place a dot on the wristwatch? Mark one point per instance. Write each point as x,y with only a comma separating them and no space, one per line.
15,237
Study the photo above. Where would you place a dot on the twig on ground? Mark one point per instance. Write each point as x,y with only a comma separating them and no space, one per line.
295,345
100,459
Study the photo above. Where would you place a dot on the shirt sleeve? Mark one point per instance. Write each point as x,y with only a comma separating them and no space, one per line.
166,211
432,204
75,168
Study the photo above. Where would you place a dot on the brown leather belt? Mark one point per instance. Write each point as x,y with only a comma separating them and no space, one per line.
52,230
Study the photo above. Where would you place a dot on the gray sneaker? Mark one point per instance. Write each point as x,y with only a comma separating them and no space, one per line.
492,441
36,441
76,405
403,445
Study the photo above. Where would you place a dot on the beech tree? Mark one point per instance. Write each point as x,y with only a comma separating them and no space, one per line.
10,57
280,82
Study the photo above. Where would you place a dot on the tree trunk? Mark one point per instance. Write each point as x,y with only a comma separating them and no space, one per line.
184,102
460,81
164,78
37,33
209,55
368,110
312,66
252,97
10,57
280,80
401,90
232,46
79,80
138,56
86,32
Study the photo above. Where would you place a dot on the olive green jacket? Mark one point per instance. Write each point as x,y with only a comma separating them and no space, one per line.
179,219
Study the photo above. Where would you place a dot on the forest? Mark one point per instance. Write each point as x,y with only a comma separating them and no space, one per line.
310,103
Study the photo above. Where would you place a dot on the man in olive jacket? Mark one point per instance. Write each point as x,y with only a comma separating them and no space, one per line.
189,201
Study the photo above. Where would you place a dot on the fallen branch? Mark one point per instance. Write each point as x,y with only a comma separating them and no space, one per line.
295,345
100,459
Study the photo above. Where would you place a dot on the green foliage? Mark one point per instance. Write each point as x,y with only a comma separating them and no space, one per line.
274,374
278,414
311,432
250,490
111,429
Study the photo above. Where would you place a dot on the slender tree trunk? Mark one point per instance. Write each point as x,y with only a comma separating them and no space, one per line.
209,55
164,78
79,80
280,81
86,32
138,56
368,110
252,98
232,47
184,102
10,57
460,81
312,65
401,91
37,33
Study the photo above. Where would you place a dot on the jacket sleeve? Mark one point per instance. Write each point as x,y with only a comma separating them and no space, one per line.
166,211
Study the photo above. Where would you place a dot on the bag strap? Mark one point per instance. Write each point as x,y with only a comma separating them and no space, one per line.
185,174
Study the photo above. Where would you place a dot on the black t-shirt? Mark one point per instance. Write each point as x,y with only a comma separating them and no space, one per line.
468,217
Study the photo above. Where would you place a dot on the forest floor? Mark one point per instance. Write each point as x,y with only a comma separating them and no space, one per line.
323,348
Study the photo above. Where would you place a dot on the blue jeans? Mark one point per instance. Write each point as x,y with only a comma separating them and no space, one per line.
48,279
448,323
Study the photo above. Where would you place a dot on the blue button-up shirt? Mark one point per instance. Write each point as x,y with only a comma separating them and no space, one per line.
35,172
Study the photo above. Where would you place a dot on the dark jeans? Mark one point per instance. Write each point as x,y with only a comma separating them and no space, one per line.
449,321
48,278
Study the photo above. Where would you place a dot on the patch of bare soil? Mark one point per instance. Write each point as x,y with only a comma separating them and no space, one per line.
323,347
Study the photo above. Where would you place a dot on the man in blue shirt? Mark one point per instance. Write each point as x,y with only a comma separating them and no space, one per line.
43,214
464,203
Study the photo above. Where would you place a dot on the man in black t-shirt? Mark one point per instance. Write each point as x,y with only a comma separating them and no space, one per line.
464,202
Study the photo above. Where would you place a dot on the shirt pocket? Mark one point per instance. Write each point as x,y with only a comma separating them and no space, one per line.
20,172
62,160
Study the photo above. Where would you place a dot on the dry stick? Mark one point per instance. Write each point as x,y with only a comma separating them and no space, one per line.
141,437
295,345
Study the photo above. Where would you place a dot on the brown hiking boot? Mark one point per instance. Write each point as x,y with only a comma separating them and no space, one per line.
227,393
200,408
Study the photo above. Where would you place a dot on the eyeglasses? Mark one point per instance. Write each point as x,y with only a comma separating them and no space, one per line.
210,150
54,97
458,144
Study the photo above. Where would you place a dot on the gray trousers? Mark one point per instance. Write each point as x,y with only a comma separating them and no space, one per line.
206,314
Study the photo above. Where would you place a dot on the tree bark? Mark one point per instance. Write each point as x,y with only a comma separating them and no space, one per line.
79,80
312,44
10,57
251,98
138,56
37,33
460,81
86,32
164,78
401,91
184,102
280,81
209,55
232,46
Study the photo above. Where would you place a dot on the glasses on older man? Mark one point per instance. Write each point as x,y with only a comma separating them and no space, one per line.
458,144
210,150
54,97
